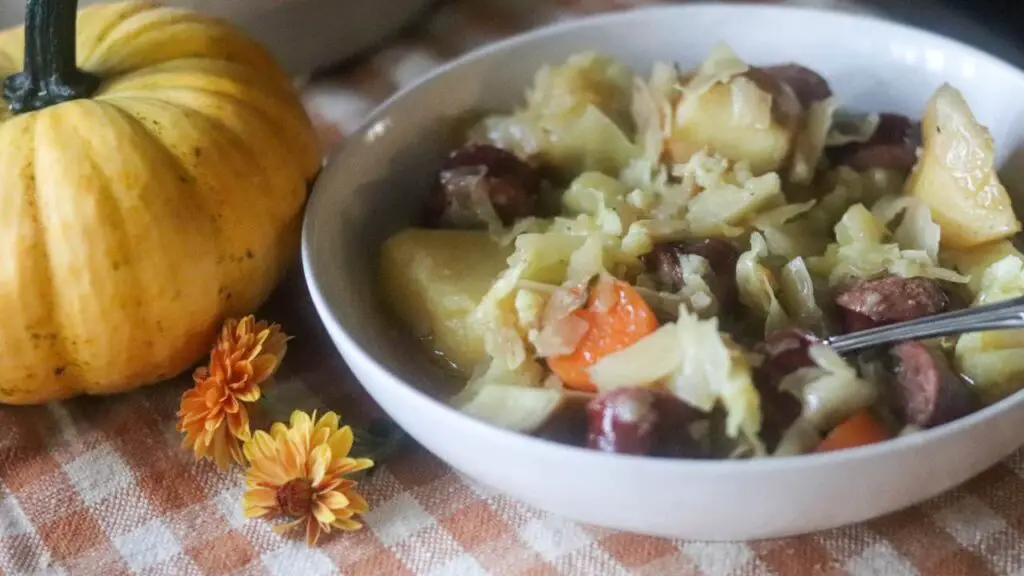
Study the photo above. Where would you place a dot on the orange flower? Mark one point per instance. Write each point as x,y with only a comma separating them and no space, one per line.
213,414
247,352
298,471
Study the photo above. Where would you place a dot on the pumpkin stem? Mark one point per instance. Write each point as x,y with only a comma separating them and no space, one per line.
51,73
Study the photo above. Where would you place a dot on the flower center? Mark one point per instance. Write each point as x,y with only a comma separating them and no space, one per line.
296,497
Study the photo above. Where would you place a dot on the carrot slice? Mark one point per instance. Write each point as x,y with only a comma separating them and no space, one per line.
860,429
617,317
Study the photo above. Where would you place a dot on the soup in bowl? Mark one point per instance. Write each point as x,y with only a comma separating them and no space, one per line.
601,259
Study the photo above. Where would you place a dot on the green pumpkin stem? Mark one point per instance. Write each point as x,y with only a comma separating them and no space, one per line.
51,73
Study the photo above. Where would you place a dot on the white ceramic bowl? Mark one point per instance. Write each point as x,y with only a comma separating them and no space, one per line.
373,187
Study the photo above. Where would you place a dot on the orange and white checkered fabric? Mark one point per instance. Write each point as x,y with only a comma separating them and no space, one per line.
101,486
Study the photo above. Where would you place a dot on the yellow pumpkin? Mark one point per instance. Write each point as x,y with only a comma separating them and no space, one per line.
145,194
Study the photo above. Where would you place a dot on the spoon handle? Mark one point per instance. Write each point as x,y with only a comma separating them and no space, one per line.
1004,315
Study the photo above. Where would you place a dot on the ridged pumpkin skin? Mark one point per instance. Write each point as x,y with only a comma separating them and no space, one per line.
133,222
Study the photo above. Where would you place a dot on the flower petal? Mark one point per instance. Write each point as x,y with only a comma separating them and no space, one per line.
288,455
319,460
260,445
312,531
222,443
349,466
320,436
330,421
278,429
341,442
265,497
251,393
322,513
357,503
282,528
347,524
236,451
334,500
301,421
263,367
253,511
238,423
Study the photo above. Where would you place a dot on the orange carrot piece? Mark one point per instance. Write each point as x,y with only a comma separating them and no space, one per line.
627,320
860,429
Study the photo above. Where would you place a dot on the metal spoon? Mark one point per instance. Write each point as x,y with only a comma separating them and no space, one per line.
1004,315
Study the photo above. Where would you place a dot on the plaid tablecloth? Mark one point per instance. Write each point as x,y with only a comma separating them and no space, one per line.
100,485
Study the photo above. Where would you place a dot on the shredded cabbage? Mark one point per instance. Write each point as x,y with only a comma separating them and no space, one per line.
788,235
693,360
757,286
577,116
588,261
604,198
540,258
511,406
917,230
829,392
850,128
506,237
529,306
994,361
721,66
861,250
652,106
798,295
495,373
711,194
850,188
648,362
975,261
664,304
718,211
696,292
751,106
712,368
810,143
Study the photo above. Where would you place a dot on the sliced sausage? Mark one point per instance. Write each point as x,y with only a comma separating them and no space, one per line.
478,173
787,351
787,107
878,302
893,146
808,85
569,424
779,409
663,263
928,391
642,422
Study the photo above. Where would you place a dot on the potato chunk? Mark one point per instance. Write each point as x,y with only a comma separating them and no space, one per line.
433,279
955,175
517,408
752,117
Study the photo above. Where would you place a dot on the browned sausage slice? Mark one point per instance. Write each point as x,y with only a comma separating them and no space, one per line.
785,352
930,393
808,85
663,263
787,106
642,422
509,183
893,146
888,300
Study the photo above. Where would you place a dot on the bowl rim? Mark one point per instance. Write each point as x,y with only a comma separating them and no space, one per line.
349,347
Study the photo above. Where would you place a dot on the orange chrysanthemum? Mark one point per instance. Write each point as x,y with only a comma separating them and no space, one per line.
248,353
213,414
298,471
